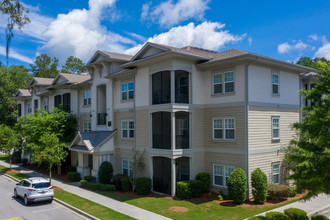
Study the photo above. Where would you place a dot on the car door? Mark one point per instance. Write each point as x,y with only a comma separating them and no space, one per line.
25,187
19,188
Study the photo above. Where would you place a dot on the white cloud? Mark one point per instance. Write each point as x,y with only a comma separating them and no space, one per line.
168,13
286,47
314,37
15,55
207,35
137,36
250,41
323,51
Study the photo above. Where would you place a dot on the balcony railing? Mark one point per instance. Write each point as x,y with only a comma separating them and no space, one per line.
101,118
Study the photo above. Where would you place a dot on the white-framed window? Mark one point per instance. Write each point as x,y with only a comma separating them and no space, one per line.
275,127
46,104
87,126
29,108
275,84
127,129
87,98
224,128
223,82
276,173
127,167
127,91
221,174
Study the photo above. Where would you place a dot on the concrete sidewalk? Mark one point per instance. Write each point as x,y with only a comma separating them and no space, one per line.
115,205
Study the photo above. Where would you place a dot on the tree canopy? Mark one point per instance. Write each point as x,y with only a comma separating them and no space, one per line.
9,141
17,16
309,156
72,65
11,79
44,66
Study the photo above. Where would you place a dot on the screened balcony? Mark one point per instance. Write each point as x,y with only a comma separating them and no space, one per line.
161,130
181,130
181,87
161,87
101,105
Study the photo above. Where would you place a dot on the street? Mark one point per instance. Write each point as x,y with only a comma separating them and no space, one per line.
12,208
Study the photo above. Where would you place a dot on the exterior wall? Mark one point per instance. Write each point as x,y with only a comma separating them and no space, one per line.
73,99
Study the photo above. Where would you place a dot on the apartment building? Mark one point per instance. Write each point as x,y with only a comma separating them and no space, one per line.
187,110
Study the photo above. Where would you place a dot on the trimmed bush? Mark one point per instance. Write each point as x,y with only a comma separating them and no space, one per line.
210,195
293,192
276,216
105,172
189,189
296,214
220,197
24,161
259,185
143,186
259,217
278,192
97,186
319,217
126,184
73,176
117,180
205,178
237,186
91,179
70,169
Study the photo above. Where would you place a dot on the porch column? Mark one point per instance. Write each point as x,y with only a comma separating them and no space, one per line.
172,86
173,131
173,178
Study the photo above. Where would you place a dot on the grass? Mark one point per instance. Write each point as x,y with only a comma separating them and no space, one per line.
198,209
4,157
90,207
18,175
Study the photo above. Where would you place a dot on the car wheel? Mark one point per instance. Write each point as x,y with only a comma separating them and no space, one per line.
15,193
50,201
26,201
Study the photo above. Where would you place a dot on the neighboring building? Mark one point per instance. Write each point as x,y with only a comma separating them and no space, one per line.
189,110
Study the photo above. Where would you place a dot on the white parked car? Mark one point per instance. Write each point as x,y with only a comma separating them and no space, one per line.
34,190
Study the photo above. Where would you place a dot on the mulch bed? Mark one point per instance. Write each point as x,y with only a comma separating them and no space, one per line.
11,171
42,170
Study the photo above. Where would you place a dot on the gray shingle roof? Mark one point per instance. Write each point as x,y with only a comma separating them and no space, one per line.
95,137
24,92
74,78
117,55
43,81
79,148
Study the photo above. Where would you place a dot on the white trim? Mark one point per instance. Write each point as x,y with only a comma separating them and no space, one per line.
279,126
224,128
129,169
279,172
278,83
223,174
126,91
223,82
87,98
90,126
128,129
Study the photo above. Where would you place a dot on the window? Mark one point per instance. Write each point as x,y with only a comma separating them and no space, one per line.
57,101
275,84
275,127
19,110
276,173
127,129
127,91
35,106
29,108
223,82
161,87
46,104
127,167
87,97
221,175
224,128
67,102
87,126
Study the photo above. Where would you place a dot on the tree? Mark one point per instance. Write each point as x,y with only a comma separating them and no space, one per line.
105,172
72,65
9,141
49,150
11,79
44,66
138,166
237,186
313,63
259,185
309,156
16,17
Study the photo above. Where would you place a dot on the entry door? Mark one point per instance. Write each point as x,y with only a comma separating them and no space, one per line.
162,175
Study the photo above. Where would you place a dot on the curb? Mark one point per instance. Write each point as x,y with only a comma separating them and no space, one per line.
319,210
80,212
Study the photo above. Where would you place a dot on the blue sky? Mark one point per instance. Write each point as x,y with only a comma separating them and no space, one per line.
285,30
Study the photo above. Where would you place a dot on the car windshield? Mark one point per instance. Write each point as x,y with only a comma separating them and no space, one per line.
40,185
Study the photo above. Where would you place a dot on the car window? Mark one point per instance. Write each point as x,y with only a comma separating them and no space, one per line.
21,183
40,185
26,184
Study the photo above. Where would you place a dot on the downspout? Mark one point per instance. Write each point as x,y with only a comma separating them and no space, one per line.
134,117
247,123
300,100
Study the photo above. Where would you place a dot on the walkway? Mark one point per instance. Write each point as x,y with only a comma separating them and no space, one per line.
115,205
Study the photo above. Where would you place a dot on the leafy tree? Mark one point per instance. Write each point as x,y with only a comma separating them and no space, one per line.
44,66
313,63
105,172
11,79
309,156
259,185
49,150
138,166
9,141
72,65
16,17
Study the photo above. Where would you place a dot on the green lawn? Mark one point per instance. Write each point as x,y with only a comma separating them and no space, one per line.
4,157
90,207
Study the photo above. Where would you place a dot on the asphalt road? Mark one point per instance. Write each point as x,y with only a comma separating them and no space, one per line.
12,208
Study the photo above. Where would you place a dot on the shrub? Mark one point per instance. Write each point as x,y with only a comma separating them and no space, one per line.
73,176
319,217
220,192
143,186
205,178
24,161
293,192
220,197
259,217
117,180
70,169
97,186
126,184
237,184
276,216
189,189
91,179
259,185
105,172
277,192
210,195
296,214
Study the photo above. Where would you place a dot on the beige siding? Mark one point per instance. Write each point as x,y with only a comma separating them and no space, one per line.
119,116
82,118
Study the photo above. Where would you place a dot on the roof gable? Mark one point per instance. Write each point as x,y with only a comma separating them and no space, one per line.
23,93
149,49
